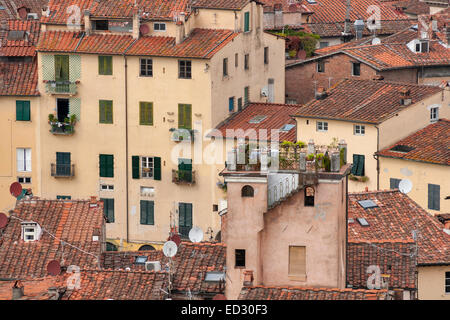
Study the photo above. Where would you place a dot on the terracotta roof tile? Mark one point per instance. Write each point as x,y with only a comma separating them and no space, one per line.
430,144
394,220
21,47
371,101
18,79
74,225
11,6
220,4
276,116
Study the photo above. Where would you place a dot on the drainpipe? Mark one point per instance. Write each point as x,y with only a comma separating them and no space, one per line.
346,230
126,137
375,156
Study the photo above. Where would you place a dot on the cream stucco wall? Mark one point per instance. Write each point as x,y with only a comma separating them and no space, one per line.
431,283
17,134
420,174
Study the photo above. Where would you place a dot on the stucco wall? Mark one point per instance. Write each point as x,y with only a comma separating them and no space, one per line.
431,283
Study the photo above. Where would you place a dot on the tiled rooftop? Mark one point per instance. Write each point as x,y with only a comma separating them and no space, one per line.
73,222
220,4
18,79
430,144
285,293
24,47
191,263
370,101
276,116
11,6
286,5
201,43
393,220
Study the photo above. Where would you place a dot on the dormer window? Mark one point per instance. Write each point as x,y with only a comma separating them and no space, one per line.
158,26
101,25
31,231
422,46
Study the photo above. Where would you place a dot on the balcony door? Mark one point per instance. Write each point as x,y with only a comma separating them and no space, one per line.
63,109
63,164
185,219
62,68
185,170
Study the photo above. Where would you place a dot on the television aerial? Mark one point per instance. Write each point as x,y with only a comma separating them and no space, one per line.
170,249
405,186
196,234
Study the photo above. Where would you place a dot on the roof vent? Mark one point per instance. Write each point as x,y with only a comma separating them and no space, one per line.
367,204
152,266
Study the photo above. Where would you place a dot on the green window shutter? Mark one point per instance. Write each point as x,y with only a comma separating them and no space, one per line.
109,112
247,21
26,110
434,191
102,112
157,168
19,110
355,164
110,166
109,67
105,65
61,68
147,212
102,165
151,215
108,209
106,111
182,214
181,116
101,63
146,113
135,164
188,217
360,171
107,165
143,212
184,116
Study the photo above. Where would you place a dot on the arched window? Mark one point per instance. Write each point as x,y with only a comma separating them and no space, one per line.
110,247
146,247
309,197
247,191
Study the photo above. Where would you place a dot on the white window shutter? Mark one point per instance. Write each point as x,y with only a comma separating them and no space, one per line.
20,159
28,160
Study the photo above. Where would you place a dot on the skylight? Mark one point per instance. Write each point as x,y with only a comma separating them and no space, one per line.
16,35
215,276
366,204
363,222
287,127
402,148
257,119
141,259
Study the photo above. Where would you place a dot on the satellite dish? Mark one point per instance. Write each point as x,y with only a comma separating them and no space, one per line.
15,189
170,249
376,41
54,268
196,234
144,29
405,186
3,220
175,238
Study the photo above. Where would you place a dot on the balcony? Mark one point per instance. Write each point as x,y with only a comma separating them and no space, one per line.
62,128
62,170
61,87
183,177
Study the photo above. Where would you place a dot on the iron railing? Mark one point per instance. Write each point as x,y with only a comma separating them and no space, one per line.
61,87
183,176
62,170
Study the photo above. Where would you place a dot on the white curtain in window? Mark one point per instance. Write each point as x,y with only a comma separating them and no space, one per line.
23,160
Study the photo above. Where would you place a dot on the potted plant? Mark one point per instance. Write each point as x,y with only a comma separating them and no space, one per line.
310,163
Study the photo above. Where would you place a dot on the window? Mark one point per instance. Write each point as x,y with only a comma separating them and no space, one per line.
61,68
309,197
101,25
111,247
447,282
359,130
22,110
185,116
247,21
63,164
106,165
434,114
239,102
146,68
185,219
246,61
324,44
287,127
297,260
146,113
106,111
246,95
434,196
266,55
185,170
356,68
158,26
184,69
320,66
225,67
23,160
393,183
358,165
236,60
147,167
31,231
108,209
106,187
239,258
231,104
105,65
26,180
257,119
322,126
63,197
247,192
147,212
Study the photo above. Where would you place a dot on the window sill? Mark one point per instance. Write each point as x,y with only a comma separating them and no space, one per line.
297,277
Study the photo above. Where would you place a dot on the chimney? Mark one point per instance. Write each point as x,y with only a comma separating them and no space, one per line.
17,290
87,22
248,278
278,21
378,77
93,202
179,37
405,95
321,93
136,23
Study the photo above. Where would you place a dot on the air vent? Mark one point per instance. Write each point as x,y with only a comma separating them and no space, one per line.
367,204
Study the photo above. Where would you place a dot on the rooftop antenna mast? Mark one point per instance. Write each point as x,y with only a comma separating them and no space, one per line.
346,35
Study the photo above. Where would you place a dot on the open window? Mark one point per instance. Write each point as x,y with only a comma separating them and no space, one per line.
309,197
247,192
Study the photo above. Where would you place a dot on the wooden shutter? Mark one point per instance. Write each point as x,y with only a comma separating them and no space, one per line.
101,65
184,116
102,111
110,166
135,165
434,191
247,21
28,159
26,110
188,216
297,260
151,212
181,214
102,165
355,164
109,111
157,168
111,210
20,157
143,212
360,171
180,116
19,110
146,113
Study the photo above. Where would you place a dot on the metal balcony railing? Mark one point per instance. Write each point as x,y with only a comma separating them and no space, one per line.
61,87
183,176
62,170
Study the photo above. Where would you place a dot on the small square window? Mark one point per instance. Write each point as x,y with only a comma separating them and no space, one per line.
320,66
158,26
359,130
246,62
434,114
146,69
239,257
322,126
147,167
185,69
356,69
